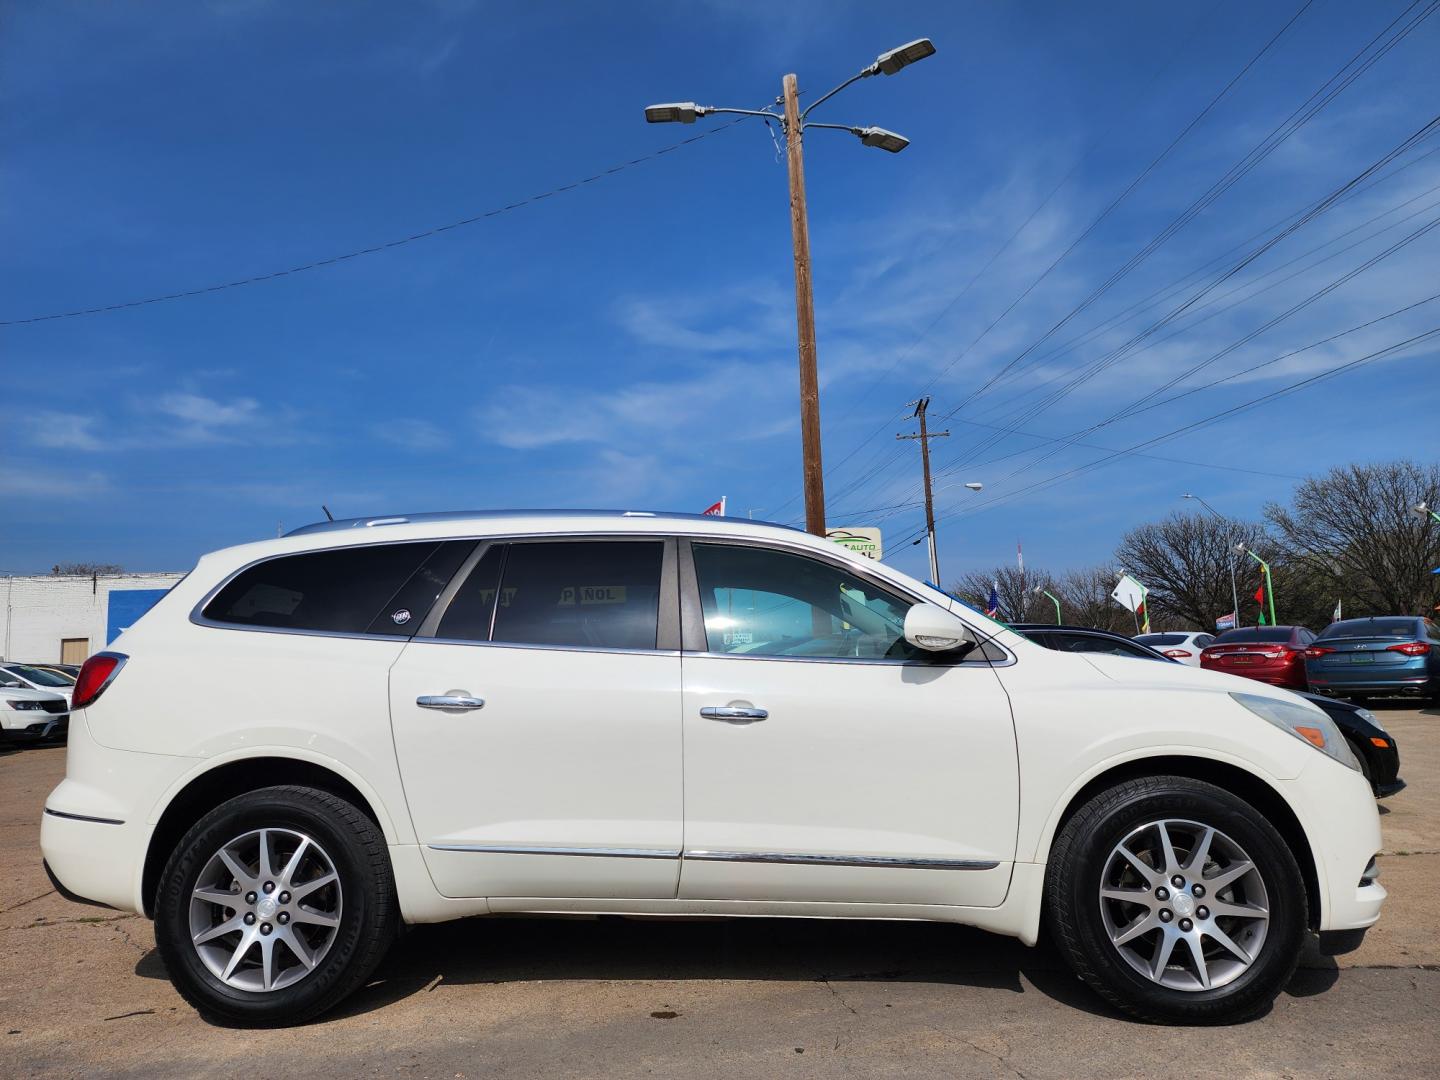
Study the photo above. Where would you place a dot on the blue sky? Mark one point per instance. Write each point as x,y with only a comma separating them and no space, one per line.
631,343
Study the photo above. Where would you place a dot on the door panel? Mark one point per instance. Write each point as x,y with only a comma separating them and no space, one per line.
561,775
868,780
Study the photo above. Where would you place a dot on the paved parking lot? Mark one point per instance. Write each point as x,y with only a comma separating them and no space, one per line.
83,991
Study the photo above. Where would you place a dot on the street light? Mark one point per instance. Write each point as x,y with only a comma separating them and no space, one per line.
1241,549
794,122
975,486
1424,510
1234,590
1041,589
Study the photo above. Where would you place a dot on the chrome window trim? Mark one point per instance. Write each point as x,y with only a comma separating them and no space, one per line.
879,861
83,817
777,543
582,852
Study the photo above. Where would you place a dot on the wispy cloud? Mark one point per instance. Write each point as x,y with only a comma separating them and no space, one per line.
61,431
411,434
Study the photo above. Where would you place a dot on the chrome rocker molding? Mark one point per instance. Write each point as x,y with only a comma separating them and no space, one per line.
699,855
884,862
584,852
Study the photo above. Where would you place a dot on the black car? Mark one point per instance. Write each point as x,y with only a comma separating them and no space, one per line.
1374,747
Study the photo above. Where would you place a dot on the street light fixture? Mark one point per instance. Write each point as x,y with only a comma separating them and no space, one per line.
975,486
1234,589
1424,510
1041,589
793,123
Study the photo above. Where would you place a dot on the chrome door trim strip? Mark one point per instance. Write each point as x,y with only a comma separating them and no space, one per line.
795,859
586,852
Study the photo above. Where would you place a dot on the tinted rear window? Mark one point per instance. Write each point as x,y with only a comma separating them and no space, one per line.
1254,633
1161,639
344,591
596,593
1401,628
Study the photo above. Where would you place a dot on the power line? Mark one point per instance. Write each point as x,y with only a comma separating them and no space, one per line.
377,248
1339,369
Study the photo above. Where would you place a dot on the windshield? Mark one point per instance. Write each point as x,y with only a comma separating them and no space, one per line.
1402,628
38,676
1161,639
1254,633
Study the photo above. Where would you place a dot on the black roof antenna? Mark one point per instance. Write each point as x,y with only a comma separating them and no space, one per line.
328,515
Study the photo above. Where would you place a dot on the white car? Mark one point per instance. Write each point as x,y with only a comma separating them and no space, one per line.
38,678
28,715
1181,645
313,739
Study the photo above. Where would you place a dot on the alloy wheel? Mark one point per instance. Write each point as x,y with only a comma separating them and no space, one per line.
1184,905
265,909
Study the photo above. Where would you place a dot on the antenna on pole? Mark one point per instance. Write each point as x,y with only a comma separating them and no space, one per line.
328,515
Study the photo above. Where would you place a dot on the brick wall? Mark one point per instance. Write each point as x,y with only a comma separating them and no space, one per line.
37,613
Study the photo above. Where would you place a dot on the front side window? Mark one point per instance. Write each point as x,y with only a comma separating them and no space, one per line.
761,602
344,590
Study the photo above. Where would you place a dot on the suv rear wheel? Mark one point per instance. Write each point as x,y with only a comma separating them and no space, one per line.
275,906
1177,902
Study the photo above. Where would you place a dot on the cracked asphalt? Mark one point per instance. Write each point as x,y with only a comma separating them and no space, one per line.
82,990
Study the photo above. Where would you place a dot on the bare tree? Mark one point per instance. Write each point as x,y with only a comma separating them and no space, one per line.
1085,596
1018,600
86,568
1354,529
1186,562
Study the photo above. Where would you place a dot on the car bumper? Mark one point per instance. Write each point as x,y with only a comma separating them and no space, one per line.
46,728
1290,676
1337,809
93,839
1368,682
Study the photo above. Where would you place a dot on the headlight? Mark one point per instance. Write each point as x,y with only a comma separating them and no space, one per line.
1305,722
24,703
1367,715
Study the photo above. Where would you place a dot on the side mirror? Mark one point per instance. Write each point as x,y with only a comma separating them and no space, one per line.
932,628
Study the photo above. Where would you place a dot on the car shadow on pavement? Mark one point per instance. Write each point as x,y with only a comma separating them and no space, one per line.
608,948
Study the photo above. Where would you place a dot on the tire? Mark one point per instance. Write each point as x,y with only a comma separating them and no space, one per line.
1086,855
343,925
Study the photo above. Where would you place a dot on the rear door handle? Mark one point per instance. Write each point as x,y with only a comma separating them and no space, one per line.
732,714
452,700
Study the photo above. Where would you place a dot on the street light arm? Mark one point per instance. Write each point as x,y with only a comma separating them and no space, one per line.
871,70
706,110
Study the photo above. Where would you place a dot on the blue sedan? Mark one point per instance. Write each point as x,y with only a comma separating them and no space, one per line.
1382,656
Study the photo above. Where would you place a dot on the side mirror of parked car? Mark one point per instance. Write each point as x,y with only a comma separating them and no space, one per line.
936,630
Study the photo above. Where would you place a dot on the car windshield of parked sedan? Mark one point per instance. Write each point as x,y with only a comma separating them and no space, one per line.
1161,639
37,676
1254,633
1400,628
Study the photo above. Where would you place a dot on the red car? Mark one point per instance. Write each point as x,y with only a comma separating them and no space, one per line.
1272,654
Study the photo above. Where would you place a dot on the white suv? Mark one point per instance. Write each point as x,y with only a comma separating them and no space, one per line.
313,739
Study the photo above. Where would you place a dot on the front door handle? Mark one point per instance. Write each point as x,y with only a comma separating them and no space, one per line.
732,714
455,699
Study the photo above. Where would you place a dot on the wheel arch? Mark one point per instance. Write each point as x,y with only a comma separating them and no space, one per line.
207,790
1254,789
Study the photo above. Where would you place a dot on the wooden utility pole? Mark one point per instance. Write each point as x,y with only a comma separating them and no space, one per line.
925,437
804,315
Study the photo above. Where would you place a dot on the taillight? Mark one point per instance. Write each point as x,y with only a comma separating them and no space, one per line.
1177,654
97,673
1314,652
1410,648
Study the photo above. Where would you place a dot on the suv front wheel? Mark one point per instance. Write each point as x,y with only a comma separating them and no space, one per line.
274,906
1177,901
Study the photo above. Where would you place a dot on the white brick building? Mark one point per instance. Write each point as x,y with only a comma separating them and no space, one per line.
64,618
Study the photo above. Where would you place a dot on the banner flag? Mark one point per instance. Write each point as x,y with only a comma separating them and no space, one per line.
992,606
715,509
1227,622
1336,616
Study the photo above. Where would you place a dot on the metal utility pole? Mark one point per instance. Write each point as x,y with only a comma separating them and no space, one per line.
804,313
794,122
925,436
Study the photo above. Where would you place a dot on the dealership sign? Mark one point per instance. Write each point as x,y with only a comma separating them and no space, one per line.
861,540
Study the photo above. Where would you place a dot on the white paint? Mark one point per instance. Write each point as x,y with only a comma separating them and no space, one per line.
42,610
